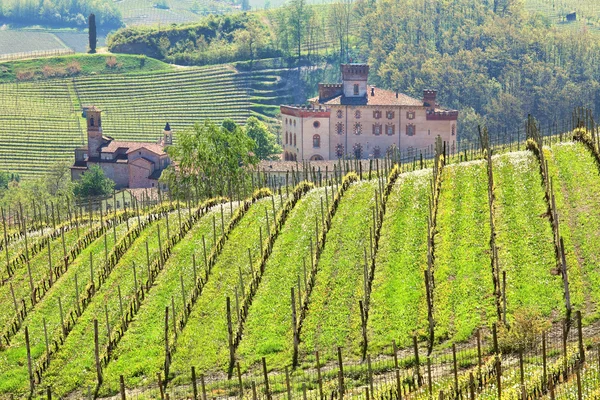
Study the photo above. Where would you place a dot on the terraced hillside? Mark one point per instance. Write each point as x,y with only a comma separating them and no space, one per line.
149,294
44,118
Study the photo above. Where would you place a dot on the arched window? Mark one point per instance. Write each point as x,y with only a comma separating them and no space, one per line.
340,114
316,157
357,128
339,150
339,128
357,151
410,130
294,122
316,141
91,121
294,138
286,157
453,130
356,89
286,138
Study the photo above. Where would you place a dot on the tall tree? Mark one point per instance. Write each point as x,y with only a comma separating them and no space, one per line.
93,183
92,32
339,21
298,14
266,143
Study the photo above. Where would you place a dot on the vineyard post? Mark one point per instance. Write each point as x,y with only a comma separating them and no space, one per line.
240,382
182,297
29,367
194,384
173,319
504,296
287,383
237,302
148,261
266,377
49,393
471,386
214,220
455,369
578,375
106,250
295,330
254,397
544,363
565,332
77,296
341,371
522,375
31,283
429,378
5,244
551,388
120,300
565,278
194,268
64,246
205,257
160,386
50,263
320,382
580,337
203,387
97,353
498,362
370,372
62,318
53,219
168,227
417,364
230,338
122,385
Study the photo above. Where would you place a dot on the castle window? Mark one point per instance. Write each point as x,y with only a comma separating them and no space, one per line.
340,114
390,130
316,124
376,152
357,128
339,128
339,150
376,114
99,121
389,115
356,89
294,122
316,141
91,121
357,150
376,129
286,137
410,115
410,130
357,114
294,139
453,130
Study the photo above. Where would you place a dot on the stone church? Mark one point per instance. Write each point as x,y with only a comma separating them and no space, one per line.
128,164
355,120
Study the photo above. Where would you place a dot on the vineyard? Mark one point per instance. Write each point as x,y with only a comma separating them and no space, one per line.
45,117
403,280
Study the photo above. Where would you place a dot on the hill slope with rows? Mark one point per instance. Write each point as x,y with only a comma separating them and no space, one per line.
156,286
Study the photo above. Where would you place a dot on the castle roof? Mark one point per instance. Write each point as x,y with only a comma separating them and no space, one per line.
380,97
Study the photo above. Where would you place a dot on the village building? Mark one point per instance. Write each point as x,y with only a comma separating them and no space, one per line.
128,164
354,120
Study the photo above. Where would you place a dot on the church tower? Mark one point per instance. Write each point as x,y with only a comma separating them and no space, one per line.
167,135
94,131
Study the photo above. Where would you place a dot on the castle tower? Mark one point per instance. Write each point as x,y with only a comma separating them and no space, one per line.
94,131
167,135
430,99
354,78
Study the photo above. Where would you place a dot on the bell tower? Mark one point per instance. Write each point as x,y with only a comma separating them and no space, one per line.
167,135
94,130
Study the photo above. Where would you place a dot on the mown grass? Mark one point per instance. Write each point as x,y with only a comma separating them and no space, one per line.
333,317
203,343
13,365
398,306
272,302
140,354
463,297
576,186
73,366
524,236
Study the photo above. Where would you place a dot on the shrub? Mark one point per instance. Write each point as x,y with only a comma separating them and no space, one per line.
111,62
525,331
73,68
25,75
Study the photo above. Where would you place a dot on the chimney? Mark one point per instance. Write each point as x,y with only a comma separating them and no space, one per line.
372,91
429,99
396,94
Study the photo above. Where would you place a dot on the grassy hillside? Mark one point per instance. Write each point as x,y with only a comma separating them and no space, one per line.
128,298
138,96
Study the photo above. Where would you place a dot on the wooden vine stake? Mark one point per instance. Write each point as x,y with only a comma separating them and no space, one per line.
97,354
230,339
294,329
29,366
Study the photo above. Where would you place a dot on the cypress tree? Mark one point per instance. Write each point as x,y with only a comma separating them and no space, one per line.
92,32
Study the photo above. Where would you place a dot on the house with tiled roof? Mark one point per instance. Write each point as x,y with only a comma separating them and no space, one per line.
128,164
353,119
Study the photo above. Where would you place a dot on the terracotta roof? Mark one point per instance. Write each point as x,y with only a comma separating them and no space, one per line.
382,97
114,145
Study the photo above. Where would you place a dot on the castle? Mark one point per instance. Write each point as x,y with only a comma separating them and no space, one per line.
352,119
128,164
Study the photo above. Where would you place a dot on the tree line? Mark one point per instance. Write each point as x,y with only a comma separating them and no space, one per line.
60,12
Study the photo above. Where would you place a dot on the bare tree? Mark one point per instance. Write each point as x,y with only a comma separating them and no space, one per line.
340,15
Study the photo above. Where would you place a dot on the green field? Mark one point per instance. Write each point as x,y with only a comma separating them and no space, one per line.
129,276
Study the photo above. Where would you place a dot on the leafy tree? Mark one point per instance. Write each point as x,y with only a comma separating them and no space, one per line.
207,159
93,183
58,179
92,32
266,143
229,124
298,15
